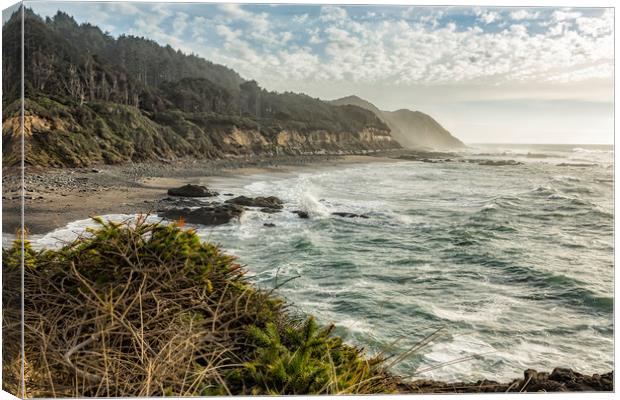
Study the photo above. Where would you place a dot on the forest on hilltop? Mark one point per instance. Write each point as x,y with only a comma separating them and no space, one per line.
107,99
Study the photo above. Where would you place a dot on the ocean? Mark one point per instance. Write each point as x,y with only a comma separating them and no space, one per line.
511,266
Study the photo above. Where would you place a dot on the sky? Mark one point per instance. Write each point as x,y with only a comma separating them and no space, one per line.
502,75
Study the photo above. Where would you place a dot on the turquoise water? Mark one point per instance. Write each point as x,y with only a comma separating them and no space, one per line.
514,263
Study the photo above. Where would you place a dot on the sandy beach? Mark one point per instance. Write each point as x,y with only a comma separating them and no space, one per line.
55,197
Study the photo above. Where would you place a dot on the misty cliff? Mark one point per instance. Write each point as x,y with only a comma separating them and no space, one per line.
412,129
91,98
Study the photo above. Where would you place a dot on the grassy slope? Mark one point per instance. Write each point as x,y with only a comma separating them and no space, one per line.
150,310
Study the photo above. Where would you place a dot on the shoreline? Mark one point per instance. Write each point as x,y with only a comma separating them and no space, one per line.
58,196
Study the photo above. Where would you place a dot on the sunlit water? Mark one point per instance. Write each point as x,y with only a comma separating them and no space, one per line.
514,262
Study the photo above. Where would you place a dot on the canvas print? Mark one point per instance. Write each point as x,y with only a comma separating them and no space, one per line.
205,199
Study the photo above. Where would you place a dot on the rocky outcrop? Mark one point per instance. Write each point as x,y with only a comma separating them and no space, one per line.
270,202
349,215
192,191
559,380
194,211
214,214
301,214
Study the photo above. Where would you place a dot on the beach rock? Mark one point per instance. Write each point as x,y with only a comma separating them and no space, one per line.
168,203
576,165
499,163
559,380
270,210
192,191
349,215
269,224
214,214
302,214
263,202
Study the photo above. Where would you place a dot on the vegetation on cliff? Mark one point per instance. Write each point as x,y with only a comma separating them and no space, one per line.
98,99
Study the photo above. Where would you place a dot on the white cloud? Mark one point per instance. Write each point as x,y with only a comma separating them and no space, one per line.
524,14
179,24
343,48
486,16
314,36
333,14
597,26
489,17
228,34
234,10
565,15
300,19
557,29
258,21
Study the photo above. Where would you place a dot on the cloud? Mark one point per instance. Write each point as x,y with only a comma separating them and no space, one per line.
562,15
227,34
597,26
524,14
283,47
235,11
300,19
489,17
179,24
583,73
333,14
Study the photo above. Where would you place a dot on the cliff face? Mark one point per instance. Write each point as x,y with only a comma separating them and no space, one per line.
412,129
61,135
92,99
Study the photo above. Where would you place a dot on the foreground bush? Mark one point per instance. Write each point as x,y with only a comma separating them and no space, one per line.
147,309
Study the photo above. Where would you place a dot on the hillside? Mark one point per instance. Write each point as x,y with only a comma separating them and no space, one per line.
412,129
91,98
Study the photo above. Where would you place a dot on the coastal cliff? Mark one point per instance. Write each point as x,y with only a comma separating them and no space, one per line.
93,99
412,129
58,134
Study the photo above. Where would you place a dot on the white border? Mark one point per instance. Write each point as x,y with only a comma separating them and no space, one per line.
532,3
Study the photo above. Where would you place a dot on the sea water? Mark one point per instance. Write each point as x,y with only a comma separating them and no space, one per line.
511,266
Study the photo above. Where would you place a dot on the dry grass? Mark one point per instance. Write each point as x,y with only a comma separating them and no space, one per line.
149,310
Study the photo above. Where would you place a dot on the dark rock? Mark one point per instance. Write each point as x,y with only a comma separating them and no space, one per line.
228,194
576,165
270,210
264,202
499,163
559,380
191,191
215,214
269,224
302,214
169,203
95,170
349,215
